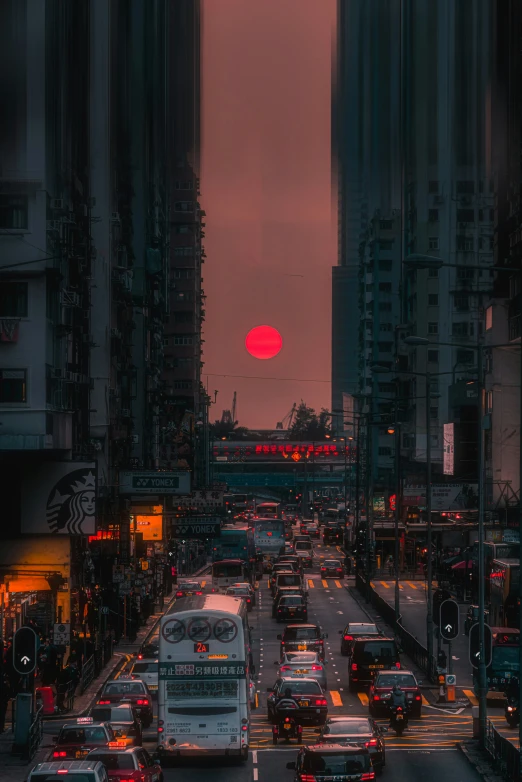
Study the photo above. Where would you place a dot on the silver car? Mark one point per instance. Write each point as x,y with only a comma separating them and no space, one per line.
302,665
148,672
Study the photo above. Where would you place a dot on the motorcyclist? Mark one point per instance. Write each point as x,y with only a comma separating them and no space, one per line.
286,703
513,689
398,697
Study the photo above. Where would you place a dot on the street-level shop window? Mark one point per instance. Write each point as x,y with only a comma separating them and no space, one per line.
13,299
13,385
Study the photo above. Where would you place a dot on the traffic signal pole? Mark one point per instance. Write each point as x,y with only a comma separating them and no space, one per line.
429,570
482,680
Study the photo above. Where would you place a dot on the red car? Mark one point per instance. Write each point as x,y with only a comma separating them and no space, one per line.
133,764
129,690
332,568
379,697
77,738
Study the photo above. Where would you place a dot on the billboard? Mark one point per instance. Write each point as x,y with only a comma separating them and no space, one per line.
59,498
448,463
444,497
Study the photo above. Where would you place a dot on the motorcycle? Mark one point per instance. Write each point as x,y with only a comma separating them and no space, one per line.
398,719
512,712
287,729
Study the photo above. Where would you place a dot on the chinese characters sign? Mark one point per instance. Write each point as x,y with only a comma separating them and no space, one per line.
202,689
203,668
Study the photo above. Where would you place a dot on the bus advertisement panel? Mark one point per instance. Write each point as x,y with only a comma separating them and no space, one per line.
504,660
204,678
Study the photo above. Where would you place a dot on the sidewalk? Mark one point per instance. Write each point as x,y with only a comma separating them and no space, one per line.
16,769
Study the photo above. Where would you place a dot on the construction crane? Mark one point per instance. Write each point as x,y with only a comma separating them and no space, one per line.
287,421
229,416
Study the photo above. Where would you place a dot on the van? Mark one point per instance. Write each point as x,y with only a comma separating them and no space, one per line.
368,656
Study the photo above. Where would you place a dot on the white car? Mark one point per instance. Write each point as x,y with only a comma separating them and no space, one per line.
148,671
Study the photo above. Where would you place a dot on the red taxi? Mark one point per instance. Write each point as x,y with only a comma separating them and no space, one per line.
379,697
126,689
128,765
76,739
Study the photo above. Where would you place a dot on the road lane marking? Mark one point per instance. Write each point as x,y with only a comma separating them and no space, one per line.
425,702
203,583
324,583
256,772
363,698
385,584
254,757
336,698
470,695
338,584
372,585
410,584
311,584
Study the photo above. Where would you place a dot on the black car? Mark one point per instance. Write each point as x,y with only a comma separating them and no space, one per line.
313,706
123,720
285,578
286,591
355,730
332,568
333,533
291,607
302,638
368,656
76,739
355,630
327,762
311,529
132,691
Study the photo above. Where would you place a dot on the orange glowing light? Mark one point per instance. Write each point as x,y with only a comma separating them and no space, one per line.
263,342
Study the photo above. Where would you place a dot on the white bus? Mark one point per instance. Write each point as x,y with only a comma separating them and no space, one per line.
226,572
204,678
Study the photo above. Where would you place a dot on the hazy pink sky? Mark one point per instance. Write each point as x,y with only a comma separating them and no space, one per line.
266,191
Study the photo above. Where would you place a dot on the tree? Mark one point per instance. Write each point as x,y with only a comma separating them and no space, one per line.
228,429
308,425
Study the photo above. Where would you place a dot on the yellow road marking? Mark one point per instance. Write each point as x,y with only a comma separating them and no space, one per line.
311,584
401,587
324,582
411,585
338,584
204,583
372,585
363,698
385,584
336,698
425,702
470,695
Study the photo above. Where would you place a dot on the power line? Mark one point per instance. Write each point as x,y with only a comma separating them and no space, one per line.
255,377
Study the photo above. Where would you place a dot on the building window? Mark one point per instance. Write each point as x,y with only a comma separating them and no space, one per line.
465,274
460,329
385,225
491,215
465,187
384,450
184,206
433,243
433,273
386,244
489,402
184,185
433,328
385,287
465,244
434,413
182,385
385,265
183,274
385,306
385,347
465,215
13,212
165,342
433,356
13,385
433,187
489,318
13,299
385,327
408,440
184,296
433,215
465,356
434,439
462,302
183,252
433,299
183,340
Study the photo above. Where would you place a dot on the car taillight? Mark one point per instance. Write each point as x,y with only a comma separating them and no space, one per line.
140,657
142,702
418,697
306,778
179,594
376,697
348,637
321,643
368,775
285,668
397,665
354,666
103,703
317,667
59,754
339,570
371,743
199,593
321,702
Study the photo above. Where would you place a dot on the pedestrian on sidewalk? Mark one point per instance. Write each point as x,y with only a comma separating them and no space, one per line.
389,564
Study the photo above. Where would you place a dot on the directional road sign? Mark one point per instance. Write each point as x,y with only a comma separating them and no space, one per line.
25,649
449,619
474,646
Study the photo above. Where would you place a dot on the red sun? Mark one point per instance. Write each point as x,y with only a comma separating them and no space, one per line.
263,342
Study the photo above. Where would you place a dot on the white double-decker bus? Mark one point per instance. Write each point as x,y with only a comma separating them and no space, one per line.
204,678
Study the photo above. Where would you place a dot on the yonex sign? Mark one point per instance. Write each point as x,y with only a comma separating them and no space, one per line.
150,482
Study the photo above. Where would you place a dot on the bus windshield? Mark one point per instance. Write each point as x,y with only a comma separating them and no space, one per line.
227,570
505,658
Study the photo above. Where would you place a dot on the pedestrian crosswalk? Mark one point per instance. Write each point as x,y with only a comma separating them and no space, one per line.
404,586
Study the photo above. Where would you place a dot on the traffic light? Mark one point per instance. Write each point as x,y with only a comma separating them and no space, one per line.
438,597
474,648
449,619
25,648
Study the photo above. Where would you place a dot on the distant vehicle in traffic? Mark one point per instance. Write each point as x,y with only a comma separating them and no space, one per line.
332,568
300,665
302,638
134,765
290,608
129,690
355,630
358,731
368,656
148,672
76,738
325,762
379,697
310,698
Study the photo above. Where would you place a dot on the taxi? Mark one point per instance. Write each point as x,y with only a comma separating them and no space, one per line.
133,764
126,689
76,739
189,588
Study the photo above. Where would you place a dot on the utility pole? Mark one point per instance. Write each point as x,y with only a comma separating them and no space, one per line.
482,679
429,574
397,509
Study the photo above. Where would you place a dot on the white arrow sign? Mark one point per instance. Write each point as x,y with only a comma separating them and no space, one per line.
448,628
25,660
